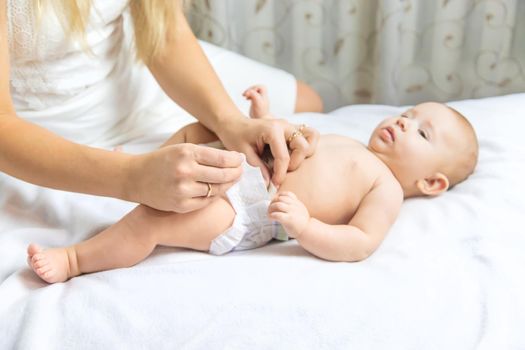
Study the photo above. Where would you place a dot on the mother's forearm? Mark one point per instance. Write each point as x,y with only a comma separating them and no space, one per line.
38,156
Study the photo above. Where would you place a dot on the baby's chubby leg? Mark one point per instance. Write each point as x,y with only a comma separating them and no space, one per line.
132,239
191,133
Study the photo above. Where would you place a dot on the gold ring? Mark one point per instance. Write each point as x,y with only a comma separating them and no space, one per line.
294,135
302,127
208,195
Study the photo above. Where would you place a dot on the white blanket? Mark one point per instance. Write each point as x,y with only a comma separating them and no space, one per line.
448,276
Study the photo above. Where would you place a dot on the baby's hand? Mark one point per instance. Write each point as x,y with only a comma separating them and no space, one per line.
290,212
258,96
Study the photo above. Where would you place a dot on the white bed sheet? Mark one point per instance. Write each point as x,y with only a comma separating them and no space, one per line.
448,276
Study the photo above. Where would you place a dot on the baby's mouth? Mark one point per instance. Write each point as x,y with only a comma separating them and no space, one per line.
391,133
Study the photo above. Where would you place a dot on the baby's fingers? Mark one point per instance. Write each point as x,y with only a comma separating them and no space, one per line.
279,216
286,199
279,207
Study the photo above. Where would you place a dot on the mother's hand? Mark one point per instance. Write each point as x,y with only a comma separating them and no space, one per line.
249,136
176,177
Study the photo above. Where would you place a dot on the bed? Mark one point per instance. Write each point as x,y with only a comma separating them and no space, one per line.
448,276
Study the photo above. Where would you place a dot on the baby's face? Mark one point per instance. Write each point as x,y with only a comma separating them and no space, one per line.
416,144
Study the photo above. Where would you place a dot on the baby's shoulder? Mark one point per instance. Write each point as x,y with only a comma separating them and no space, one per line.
381,173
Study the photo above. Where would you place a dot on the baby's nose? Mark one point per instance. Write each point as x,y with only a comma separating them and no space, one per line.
401,123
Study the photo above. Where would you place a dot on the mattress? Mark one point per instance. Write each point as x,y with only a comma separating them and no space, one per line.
449,274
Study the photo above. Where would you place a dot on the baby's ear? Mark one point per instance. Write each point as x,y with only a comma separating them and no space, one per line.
434,185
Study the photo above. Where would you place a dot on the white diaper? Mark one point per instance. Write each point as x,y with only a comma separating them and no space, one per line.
251,227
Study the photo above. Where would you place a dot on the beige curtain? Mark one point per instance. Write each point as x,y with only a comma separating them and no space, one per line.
371,51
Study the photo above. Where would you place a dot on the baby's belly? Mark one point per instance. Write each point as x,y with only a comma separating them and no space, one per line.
330,189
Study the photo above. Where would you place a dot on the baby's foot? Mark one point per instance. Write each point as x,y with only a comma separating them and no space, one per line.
258,96
51,265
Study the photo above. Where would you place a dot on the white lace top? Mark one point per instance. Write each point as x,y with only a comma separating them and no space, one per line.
92,97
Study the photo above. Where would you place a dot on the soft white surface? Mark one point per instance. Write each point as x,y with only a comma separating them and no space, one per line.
448,276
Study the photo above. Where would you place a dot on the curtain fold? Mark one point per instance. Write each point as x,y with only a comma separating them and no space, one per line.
371,51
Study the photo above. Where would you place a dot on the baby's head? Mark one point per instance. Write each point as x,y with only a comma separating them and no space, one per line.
429,148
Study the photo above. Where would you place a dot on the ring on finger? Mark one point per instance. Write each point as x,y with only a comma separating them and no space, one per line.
209,193
302,127
294,135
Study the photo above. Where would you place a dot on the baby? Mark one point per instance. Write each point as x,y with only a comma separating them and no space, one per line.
338,205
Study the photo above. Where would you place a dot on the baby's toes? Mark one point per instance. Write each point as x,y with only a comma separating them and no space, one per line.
37,257
40,263
248,92
252,95
42,271
33,249
39,260
262,90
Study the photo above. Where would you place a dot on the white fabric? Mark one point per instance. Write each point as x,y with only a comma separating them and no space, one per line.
251,227
448,276
378,51
55,82
46,68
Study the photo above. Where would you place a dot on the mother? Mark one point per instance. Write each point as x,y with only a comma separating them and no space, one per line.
72,84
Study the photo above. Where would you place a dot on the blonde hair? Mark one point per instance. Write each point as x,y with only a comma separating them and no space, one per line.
151,20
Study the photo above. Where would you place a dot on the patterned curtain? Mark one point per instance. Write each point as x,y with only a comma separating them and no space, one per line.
378,51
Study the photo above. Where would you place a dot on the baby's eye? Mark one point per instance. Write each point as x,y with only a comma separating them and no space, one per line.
423,134
404,115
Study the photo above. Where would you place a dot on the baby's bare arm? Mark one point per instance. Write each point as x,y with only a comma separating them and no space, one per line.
363,234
